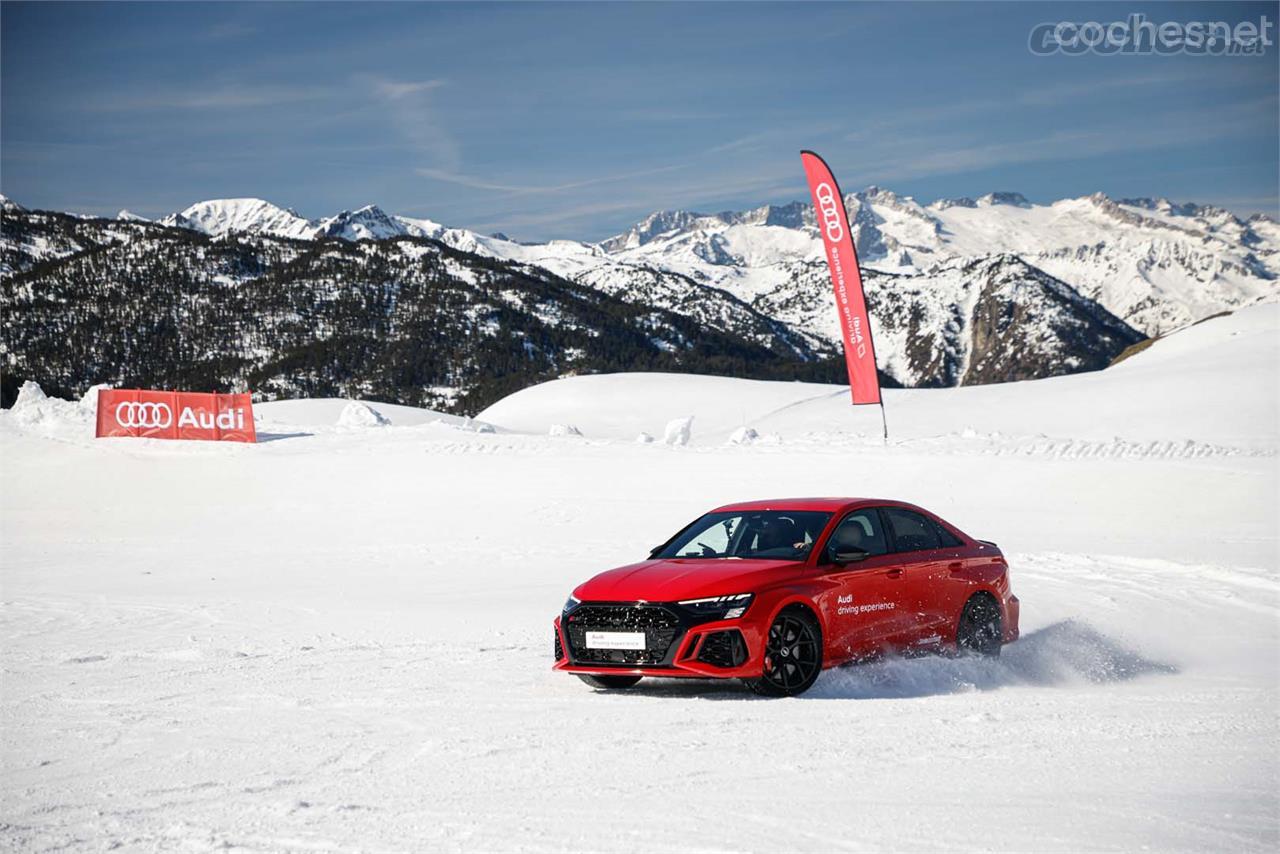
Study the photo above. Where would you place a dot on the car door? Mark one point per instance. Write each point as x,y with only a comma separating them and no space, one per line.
863,598
957,585
916,541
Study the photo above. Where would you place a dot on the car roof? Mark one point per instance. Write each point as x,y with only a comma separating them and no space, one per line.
829,505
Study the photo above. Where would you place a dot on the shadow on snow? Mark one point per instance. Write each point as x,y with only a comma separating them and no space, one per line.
276,437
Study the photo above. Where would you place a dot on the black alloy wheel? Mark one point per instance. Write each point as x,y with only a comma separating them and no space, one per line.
979,632
792,656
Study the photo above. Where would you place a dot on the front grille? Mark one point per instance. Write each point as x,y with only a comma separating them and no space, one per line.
723,649
559,648
660,626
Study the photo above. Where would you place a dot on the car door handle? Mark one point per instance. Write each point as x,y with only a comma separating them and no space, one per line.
894,573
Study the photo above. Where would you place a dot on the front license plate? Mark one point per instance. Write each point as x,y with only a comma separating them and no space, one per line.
615,640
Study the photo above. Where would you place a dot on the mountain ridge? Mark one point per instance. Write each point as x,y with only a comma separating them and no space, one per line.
960,289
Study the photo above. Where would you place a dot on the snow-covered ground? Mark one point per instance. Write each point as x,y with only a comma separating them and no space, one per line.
340,638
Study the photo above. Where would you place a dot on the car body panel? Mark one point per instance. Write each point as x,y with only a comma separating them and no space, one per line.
896,602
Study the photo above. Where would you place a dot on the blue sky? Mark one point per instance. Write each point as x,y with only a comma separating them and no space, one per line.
548,120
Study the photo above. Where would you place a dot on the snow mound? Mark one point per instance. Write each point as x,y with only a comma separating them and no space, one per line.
29,396
357,414
89,400
36,412
33,406
743,436
679,431
563,430
1215,383
644,439
620,406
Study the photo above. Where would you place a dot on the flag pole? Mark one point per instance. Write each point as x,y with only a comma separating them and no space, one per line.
884,421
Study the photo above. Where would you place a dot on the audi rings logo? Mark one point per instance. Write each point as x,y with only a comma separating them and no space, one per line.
830,212
144,415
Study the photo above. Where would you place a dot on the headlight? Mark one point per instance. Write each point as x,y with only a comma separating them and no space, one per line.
721,607
569,604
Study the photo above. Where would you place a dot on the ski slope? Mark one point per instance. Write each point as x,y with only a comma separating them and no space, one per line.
340,638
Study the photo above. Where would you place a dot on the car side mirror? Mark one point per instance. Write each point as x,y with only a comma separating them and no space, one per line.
654,551
847,556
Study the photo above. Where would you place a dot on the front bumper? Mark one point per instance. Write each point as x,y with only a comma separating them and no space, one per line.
678,644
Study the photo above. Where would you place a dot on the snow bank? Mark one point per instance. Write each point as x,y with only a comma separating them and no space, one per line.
678,431
1217,382
50,416
563,430
89,400
29,395
621,406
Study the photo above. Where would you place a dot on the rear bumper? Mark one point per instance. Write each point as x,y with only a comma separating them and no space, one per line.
685,657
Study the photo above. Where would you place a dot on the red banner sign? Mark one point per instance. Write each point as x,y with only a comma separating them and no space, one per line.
842,260
175,415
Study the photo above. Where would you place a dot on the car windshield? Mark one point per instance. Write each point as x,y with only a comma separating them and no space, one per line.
772,534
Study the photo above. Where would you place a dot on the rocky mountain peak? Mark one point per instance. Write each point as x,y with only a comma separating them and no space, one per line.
1004,198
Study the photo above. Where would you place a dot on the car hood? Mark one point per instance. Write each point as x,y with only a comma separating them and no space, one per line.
676,579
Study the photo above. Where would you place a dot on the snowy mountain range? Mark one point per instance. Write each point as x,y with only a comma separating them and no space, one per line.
1155,264
1152,263
961,290
405,320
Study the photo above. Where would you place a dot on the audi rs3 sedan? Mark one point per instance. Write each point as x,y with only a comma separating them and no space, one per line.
773,592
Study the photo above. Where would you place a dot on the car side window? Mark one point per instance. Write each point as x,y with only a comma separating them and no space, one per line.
859,530
946,538
911,531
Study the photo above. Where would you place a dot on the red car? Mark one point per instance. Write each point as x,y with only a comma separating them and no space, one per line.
772,592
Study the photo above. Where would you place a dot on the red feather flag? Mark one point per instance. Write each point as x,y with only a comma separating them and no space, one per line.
846,278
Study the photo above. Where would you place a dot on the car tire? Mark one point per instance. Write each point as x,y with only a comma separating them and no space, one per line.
609,683
980,631
793,655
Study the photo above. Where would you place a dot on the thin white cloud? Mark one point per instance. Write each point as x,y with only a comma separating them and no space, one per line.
638,201
891,159
229,30
904,159
230,97
1054,95
411,108
525,189
396,89
661,115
